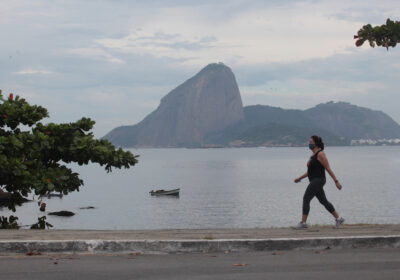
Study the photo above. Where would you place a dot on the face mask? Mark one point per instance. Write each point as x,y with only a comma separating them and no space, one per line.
311,146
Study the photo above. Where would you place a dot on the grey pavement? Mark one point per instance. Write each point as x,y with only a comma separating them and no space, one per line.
197,240
301,264
202,234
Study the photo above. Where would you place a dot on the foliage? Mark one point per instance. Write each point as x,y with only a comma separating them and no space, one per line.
9,223
33,155
386,35
41,224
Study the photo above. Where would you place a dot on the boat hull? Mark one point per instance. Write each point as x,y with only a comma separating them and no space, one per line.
174,192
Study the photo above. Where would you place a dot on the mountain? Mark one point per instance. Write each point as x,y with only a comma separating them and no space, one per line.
353,122
272,126
336,122
208,102
207,111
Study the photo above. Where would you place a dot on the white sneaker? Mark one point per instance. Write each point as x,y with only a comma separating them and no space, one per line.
339,222
301,225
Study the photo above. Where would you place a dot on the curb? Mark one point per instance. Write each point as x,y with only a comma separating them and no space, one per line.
194,246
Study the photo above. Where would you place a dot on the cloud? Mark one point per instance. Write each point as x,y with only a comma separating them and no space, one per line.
32,72
366,11
97,54
261,34
160,44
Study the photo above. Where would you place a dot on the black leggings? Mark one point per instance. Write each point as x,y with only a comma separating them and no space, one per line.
316,188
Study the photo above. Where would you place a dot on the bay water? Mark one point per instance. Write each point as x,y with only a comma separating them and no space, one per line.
227,188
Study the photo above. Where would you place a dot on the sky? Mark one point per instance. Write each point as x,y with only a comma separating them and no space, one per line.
113,61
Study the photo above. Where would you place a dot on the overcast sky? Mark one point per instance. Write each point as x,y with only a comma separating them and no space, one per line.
114,60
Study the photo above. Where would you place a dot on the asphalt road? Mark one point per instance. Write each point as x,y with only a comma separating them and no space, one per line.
307,264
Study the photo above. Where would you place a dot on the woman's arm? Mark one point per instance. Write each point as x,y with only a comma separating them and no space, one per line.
301,177
324,161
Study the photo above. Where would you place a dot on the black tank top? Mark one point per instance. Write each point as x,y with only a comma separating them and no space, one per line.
314,168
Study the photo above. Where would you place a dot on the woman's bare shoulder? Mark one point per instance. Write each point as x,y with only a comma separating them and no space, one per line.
321,154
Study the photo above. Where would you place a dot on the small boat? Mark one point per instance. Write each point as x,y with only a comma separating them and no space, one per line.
174,192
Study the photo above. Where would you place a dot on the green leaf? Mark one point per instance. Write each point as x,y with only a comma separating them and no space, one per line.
50,186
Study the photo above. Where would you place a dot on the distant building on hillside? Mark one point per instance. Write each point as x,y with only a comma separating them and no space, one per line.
379,142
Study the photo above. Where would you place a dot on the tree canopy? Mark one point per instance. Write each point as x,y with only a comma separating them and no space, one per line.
386,35
33,155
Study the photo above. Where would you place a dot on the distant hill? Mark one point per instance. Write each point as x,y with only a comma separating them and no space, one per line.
272,126
353,122
206,111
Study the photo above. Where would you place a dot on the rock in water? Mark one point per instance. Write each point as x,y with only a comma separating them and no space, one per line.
87,207
208,102
62,213
43,207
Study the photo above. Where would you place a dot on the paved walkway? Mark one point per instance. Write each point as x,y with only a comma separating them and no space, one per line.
202,234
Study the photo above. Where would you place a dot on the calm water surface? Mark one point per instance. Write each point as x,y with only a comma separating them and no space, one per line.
228,188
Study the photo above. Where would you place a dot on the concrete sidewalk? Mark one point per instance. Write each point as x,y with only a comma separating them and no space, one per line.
197,240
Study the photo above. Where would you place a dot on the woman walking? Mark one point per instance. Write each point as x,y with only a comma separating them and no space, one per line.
316,167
